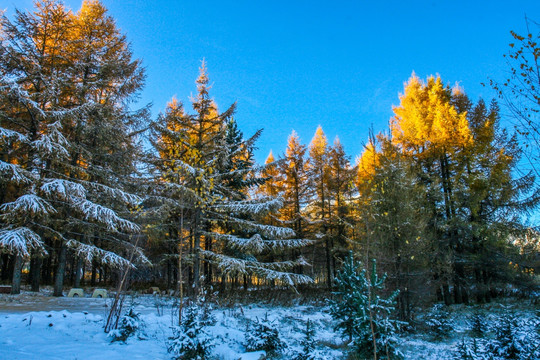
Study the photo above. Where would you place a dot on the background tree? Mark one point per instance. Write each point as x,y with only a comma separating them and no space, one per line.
71,199
214,169
520,91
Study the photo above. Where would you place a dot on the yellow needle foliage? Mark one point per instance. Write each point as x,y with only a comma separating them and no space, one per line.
426,123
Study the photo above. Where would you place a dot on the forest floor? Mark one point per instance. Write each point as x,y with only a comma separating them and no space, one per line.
38,326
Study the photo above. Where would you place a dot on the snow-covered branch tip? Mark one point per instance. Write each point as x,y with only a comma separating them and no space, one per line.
28,203
21,241
12,172
91,252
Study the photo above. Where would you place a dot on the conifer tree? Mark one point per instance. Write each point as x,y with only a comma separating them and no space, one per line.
214,169
465,163
70,198
295,187
341,192
318,173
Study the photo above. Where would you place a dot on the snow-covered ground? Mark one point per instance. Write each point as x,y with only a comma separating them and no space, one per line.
37,326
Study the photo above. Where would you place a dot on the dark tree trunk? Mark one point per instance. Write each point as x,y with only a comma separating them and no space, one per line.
60,271
17,275
78,272
35,270
94,273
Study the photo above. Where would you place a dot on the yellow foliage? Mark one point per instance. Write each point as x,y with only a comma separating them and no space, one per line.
425,122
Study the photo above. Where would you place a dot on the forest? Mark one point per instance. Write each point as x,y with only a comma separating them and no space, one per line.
97,193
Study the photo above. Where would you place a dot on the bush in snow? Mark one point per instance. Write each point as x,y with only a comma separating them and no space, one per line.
513,339
130,324
363,314
262,334
190,340
473,350
478,325
308,344
439,324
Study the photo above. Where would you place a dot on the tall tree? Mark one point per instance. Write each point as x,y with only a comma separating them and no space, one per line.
465,163
295,186
215,169
341,192
68,123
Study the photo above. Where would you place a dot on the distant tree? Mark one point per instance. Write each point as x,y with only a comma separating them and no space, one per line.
341,195
318,174
520,91
210,170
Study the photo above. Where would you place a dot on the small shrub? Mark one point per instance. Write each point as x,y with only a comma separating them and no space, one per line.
308,344
478,325
363,314
190,340
438,324
262,334
129,325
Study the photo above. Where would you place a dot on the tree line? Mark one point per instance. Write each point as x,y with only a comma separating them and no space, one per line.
435,199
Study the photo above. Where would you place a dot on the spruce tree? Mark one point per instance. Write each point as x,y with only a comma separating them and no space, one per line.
73,195
214,170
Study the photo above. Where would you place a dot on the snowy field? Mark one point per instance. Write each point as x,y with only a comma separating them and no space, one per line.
37,326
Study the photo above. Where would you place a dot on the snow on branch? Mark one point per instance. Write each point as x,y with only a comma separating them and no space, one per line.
52,143
15,173
91,252
19,93
256,207
21,241
267,231
65,189
256,244
28,203
271,271
106,216
118,194
10,134
286,278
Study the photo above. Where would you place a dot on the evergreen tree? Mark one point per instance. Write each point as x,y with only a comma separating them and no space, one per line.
363,314
318,173
465,164
341,194
392,210
71,198
214,169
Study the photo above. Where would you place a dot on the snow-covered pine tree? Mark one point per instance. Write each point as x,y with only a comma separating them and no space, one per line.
207,170
317,168
363,314
50,92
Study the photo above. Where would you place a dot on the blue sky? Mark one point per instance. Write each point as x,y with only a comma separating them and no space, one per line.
297,64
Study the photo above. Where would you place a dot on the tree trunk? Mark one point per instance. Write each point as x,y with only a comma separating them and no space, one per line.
17,275
35,270
78,272
328,262
60,270
94,272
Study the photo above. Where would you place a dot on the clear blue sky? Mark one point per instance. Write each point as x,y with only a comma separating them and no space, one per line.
297,64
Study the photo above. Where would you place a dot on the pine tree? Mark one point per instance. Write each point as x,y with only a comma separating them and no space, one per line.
362,313
341,194
295,188
70,199
318,173
465,164
214,169
392,210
